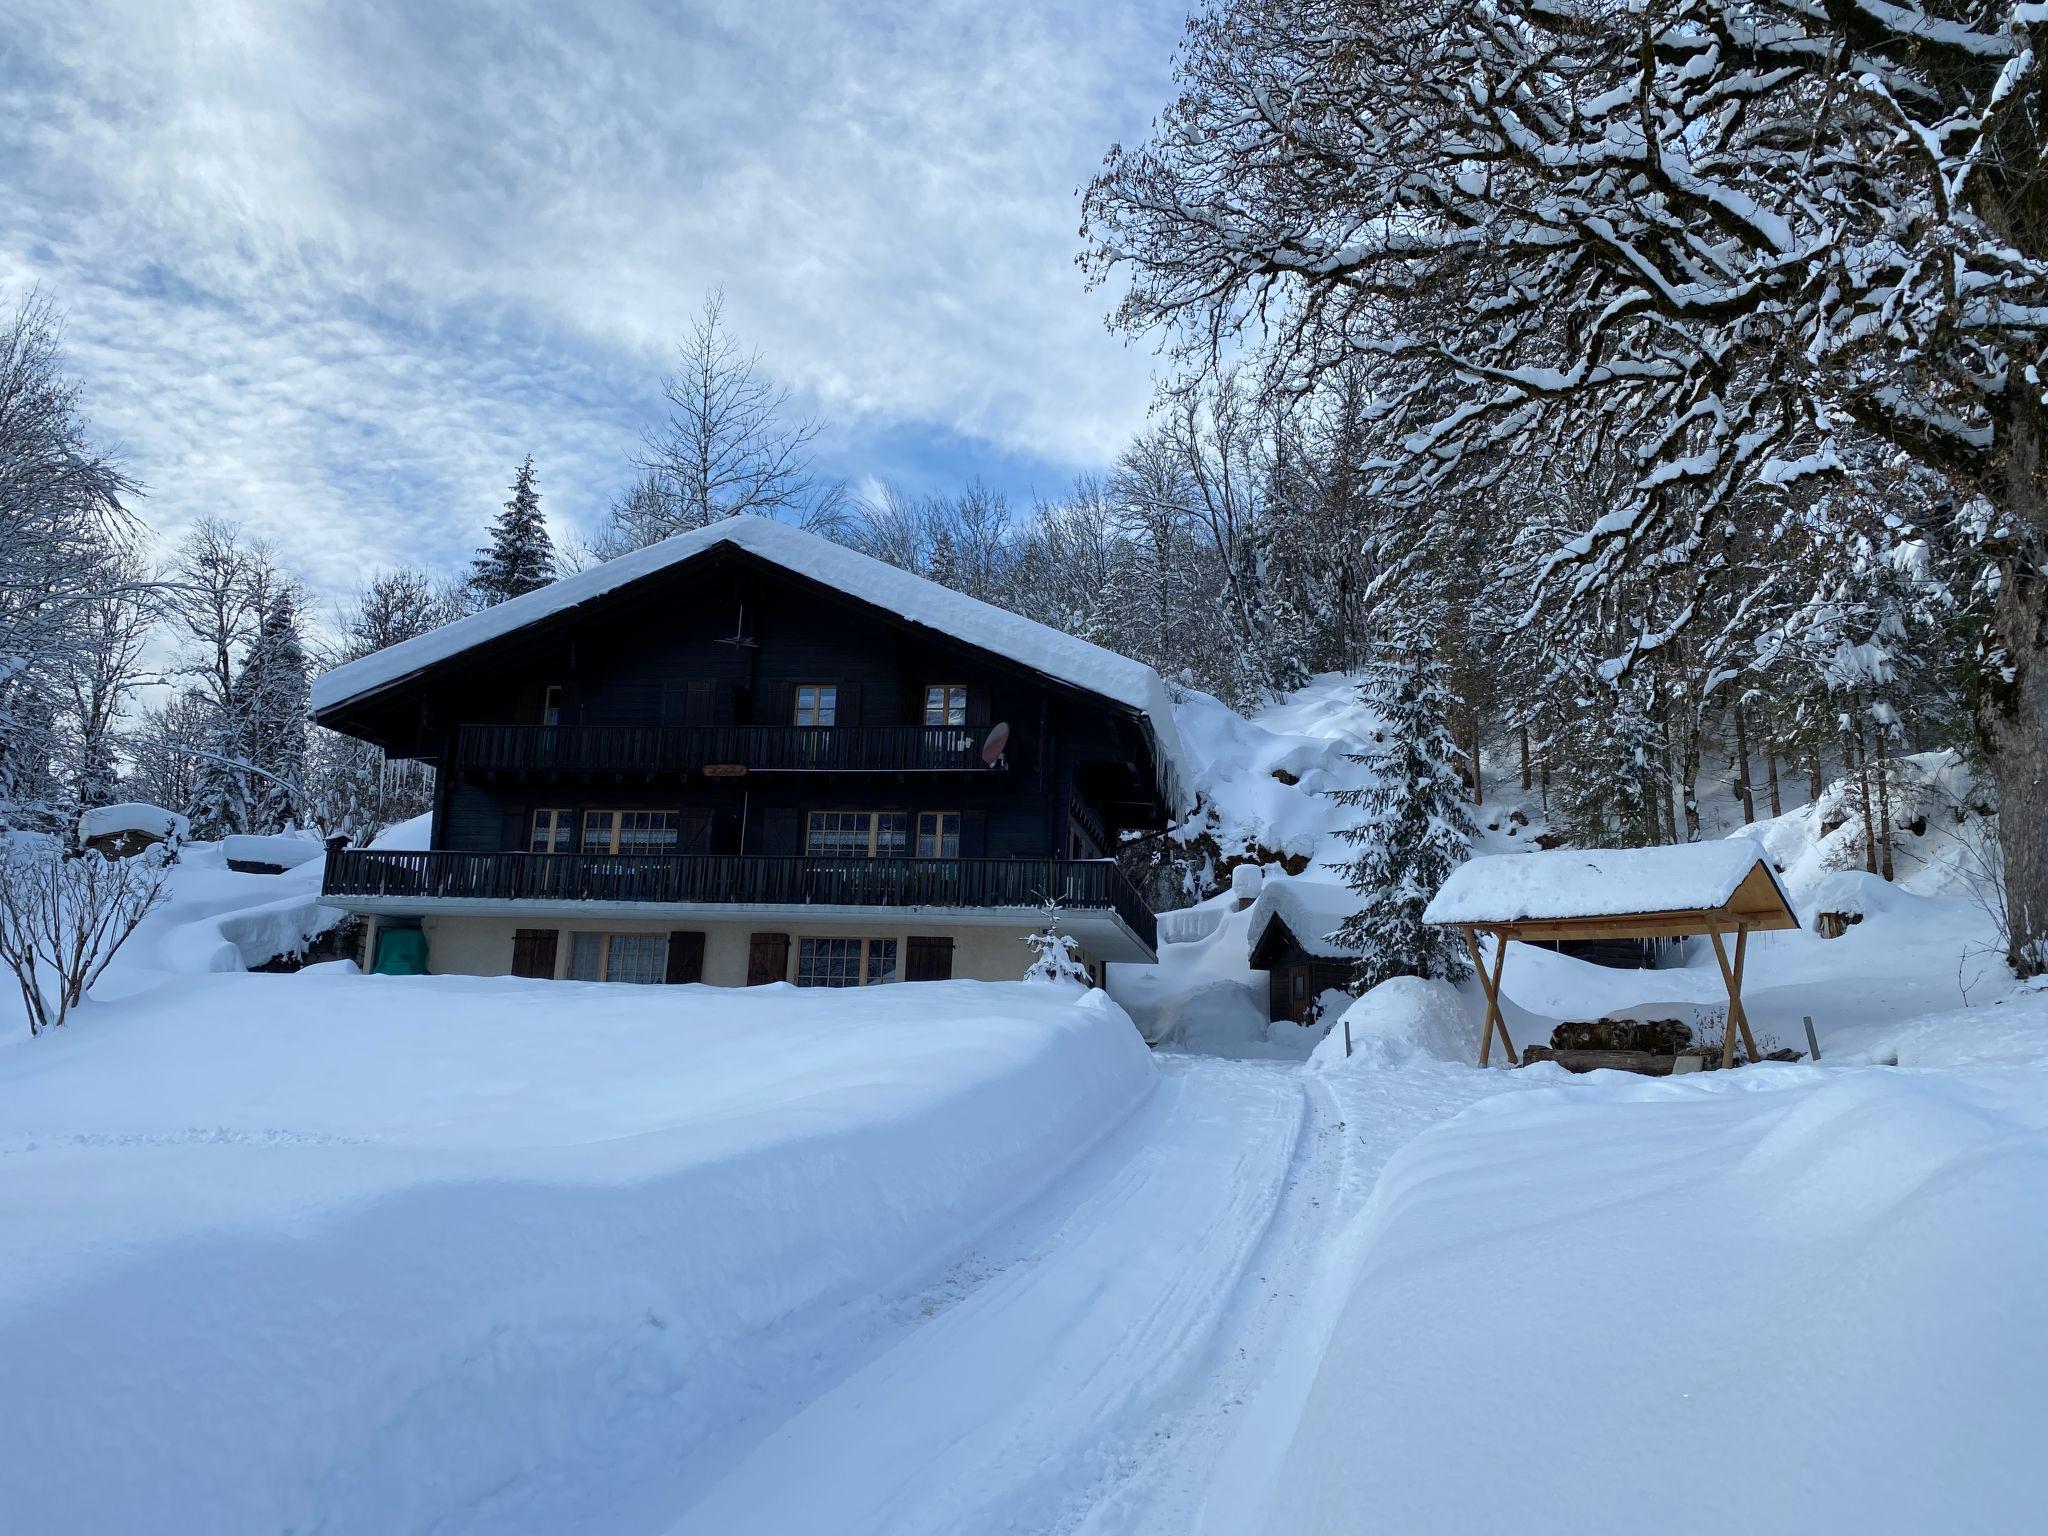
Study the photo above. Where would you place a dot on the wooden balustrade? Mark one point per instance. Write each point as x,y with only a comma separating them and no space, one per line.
738,879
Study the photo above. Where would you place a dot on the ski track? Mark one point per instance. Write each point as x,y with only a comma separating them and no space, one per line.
1092,1364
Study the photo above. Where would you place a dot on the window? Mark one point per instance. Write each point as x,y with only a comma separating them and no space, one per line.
551,829
551,705
817,703
845,962
629,831
945,704
857,834
938,834
633,957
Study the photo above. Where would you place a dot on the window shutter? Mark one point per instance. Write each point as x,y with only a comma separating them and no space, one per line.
767,958
977,708
928,958
674,703
693,832
848,712
702,703
533,953
518,830
973,834
685,958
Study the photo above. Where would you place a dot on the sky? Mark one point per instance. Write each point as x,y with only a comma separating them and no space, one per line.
331,271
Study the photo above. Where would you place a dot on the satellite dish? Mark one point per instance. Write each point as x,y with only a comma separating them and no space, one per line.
998,738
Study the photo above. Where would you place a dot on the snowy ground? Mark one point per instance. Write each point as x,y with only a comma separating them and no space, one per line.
391,1255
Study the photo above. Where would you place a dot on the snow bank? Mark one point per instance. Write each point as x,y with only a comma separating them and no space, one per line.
996,630
1403,1020
1775,1300
1943,834
133,816
380,1253
1596,882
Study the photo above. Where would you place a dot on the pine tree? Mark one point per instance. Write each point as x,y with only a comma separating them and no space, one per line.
520,557
1415,828
221,803
275,695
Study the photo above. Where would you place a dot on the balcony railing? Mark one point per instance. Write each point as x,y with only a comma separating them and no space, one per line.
736,879
690,748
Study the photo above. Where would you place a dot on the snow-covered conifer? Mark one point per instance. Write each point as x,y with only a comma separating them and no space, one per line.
1413,828
521,556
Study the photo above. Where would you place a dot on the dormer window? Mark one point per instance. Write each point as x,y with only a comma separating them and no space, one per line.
817,703
945,704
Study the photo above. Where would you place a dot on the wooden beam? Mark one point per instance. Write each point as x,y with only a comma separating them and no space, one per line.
1731,977
1742,1008
1500,1018
1492,990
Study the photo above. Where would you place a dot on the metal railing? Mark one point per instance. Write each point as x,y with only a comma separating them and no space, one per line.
739,879
689,748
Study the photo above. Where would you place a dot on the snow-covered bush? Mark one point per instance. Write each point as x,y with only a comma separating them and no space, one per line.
62,919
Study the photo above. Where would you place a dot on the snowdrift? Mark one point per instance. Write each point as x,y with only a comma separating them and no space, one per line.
363,1253
1785,1299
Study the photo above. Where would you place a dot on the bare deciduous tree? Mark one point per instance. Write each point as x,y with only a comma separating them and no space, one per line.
62,919
729,446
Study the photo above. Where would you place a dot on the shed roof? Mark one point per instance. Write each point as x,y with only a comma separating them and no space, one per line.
1579,892
1312,910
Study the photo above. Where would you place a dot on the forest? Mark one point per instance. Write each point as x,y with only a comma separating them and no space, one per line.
1663,405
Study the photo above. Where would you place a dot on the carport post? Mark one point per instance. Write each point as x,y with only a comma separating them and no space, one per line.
1492,989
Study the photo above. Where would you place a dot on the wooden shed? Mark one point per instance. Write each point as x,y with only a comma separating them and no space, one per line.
1721,889
1291,936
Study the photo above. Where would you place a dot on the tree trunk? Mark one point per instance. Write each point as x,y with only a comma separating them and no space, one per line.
2012,718
1525,757
1884,808
1863,797
1771,766
1690,789
1478,787
1743,791
1815,785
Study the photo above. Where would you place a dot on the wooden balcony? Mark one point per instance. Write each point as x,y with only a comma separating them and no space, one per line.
684,749
417,882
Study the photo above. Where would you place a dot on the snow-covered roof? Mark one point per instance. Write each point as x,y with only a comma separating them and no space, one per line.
1565,883
282,849
1044,650
132,816
1313,910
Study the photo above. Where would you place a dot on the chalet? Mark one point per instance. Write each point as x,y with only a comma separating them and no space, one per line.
748,754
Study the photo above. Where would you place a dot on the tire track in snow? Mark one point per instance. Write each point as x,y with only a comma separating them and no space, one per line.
1027,1380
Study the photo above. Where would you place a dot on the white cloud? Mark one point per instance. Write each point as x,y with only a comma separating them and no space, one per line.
335,269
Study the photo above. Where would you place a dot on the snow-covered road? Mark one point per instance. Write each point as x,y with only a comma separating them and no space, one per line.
1089,1365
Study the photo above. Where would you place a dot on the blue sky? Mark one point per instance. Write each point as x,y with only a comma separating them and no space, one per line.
333,270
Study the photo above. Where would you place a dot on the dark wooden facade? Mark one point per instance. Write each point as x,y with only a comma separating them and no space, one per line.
1295,978
679,693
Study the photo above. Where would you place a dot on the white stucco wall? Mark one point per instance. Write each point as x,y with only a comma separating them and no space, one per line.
482,946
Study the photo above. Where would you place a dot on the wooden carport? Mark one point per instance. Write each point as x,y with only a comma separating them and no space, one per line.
1720,889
